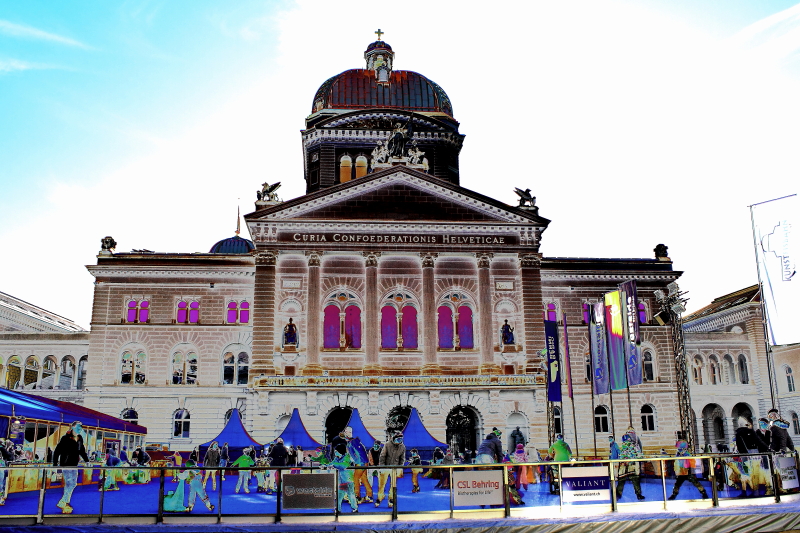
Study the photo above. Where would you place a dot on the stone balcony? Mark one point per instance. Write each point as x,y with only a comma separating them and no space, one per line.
397,382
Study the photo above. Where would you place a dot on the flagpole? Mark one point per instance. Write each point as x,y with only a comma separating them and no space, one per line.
764,315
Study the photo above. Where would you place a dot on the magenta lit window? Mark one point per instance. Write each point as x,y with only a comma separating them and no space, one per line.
330,328
550,312
194,312
352,326
233,312
642,314
244,312
445,327
586,316
465,327
144,311
409,328
183,313
132,311
388,328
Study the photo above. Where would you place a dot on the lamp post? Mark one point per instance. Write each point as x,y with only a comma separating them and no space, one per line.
672,305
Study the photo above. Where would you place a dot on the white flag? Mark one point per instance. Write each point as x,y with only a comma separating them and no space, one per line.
778,249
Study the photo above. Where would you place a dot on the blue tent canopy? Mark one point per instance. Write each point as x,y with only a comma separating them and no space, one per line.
416,436
14,403
296,434
235,435
359,430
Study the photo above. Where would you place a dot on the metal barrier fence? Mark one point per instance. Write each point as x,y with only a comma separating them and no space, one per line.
37,493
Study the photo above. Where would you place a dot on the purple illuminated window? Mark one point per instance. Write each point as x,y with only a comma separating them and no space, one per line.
330,328
409,327
144,311
352,326
465,327
183,312
550,313
445,326
132,311
244,313
642,314
194,312
586,316
388,328
232,313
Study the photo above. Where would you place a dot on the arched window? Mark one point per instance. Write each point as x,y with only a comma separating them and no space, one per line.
131,416
697,370
445,327
181,424
551,312
184,368
648,418
729,369
388,327
331,328
345,168
31,370
410,333
188,312
714,370
648,366
601,419
13,372
49,369
589,373
465,336
789,379
361,166
557,426
81,382
138,311
642,313
133,370
352,326
238,312
67,373
744,376
795,424
587,316
235,368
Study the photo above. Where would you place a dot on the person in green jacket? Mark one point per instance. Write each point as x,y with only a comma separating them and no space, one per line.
243,463
560,450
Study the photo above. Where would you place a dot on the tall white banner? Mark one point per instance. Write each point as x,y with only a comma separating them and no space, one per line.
777,241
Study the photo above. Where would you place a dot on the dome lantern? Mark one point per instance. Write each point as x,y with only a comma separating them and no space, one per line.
379,57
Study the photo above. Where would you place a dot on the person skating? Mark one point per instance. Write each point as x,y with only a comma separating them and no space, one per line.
68,453
613,448
560,450
243,463
211,460
764,433
747,440
684,470
359,458
781,440
224,459
629,470
341,462
196,488
112,473
392,454
416,469
490,450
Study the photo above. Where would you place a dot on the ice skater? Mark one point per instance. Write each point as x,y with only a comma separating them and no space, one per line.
684,469
68,453
195,479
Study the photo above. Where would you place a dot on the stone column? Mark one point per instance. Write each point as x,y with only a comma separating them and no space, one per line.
312,366
428,319
371,335
488,366
263,315
532,301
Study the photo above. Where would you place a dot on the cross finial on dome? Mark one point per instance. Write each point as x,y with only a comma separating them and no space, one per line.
238,220
379,33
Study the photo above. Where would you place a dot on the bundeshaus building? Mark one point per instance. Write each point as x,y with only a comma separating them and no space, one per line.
387,287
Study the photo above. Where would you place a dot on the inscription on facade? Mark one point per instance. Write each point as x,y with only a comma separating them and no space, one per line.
391,238
290,283
504,286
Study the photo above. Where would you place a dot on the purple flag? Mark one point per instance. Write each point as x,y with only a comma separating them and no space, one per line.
553,370
597,342
615,337
633,341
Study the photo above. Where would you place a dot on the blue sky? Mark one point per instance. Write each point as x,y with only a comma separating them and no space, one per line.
152,120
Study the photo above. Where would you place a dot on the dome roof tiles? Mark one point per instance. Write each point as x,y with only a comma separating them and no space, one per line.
233,245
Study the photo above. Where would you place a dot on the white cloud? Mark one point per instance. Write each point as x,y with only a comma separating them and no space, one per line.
29,32
12,65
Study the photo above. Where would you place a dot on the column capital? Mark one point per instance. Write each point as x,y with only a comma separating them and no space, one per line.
268,258
314,257
371,258
530,260
484,259
428,259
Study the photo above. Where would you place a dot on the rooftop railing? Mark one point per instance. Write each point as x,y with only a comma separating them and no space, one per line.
516,380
